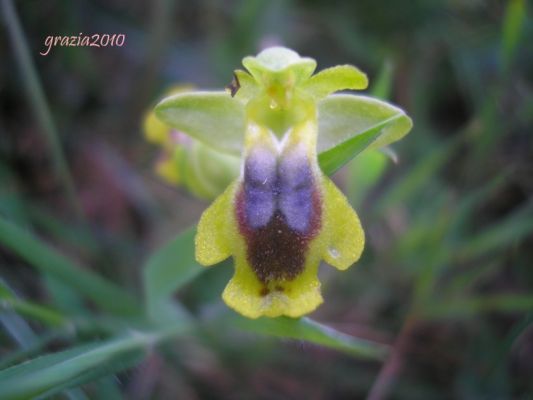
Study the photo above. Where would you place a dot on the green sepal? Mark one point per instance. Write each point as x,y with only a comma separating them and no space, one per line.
342,117
214,118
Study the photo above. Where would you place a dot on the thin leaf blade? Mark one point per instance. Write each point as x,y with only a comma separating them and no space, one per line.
314,332
168,269
46,260
52,373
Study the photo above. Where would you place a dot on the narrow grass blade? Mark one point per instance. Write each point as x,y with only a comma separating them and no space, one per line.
107,295
33,311
515,16
32,347
50,374
47,375
10,302
38,101
313,332
168,269
501,234
382,86
418,176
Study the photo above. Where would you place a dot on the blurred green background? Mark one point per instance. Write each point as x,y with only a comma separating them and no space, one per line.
446,277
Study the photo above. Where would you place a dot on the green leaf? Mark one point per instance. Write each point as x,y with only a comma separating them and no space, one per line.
35,345
31,310
349,124
39,255
49,374
19,330
214,118
314,332
168,269
52,373
64,298
28,341
330,80
342,117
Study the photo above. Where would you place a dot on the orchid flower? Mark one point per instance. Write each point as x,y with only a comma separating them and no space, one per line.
282,215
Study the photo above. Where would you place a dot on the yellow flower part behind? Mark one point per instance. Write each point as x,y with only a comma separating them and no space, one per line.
156,131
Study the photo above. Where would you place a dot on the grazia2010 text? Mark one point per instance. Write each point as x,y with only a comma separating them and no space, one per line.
81,40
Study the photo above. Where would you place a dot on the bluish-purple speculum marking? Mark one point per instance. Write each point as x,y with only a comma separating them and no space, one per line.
260,186
278,211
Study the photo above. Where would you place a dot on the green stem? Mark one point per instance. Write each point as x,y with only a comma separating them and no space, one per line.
37,99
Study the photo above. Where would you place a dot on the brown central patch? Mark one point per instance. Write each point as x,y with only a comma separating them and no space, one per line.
275,251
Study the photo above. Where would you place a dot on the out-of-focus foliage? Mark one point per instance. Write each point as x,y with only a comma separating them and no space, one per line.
446,278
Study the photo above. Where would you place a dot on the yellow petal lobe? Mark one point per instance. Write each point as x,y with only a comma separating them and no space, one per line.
214,235
342,228
249,297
